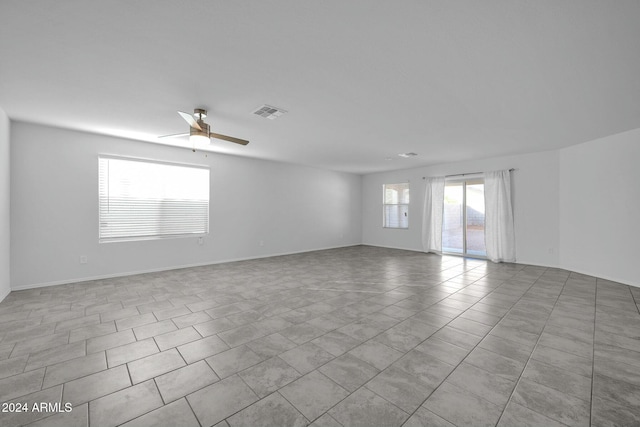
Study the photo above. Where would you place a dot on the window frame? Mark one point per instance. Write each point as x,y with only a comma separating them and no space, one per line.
385,204
156,236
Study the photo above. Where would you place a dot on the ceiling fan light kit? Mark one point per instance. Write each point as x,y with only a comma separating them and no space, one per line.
197,138
199,135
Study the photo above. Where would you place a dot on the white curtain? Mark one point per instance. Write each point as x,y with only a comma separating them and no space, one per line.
499,233
432,217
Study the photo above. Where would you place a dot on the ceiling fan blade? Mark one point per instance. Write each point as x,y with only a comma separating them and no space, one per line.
175,135
189,119
228,138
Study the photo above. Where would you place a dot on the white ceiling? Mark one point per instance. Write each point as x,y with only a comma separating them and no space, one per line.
362,80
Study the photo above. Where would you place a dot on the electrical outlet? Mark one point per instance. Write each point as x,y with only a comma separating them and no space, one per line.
83,259
261,243
200,241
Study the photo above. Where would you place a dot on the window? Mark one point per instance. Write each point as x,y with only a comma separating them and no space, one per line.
396,205
140,199
463,217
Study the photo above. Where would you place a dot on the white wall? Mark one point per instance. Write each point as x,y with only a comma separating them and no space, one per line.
54,209
575,208
5,252
536,210
600,207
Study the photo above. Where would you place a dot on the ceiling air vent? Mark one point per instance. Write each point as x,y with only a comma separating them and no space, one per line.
407,155
269,112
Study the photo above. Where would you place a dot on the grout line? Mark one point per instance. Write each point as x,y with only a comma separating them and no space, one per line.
164,402
405,353
636,303
129,374
294,406
533,351
140,415
88,415
191,407
408,297
344,290
335,357
593,352
474,347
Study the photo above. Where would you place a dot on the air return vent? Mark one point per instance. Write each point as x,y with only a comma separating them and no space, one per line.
269,112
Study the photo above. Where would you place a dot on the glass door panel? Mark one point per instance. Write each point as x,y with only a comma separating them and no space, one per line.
453,218
475,218
463,218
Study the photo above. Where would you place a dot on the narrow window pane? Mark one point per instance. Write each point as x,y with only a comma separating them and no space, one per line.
396,216
396,193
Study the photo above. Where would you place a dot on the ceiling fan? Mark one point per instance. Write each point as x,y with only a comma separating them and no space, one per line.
199,130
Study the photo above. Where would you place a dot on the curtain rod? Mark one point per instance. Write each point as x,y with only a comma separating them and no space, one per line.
468,173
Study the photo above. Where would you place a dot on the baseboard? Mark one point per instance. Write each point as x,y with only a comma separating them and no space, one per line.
177,267
2,297
156,270
393,247
601,276
580,271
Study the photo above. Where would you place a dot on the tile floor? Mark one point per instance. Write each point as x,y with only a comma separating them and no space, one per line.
359,336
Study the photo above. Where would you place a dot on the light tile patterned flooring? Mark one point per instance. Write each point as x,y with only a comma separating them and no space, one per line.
359,336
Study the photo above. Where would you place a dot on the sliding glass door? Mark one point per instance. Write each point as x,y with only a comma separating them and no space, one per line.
463,217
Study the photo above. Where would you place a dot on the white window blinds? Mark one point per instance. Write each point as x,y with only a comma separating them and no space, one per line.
140,199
